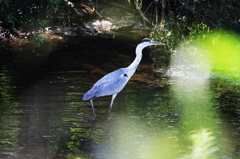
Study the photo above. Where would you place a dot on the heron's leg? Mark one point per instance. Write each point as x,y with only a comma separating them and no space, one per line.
94,114
110,108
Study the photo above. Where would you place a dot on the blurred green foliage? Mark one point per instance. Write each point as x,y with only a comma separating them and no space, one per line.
33,15
178,20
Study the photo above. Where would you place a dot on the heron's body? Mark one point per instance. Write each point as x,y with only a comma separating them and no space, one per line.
109,84
114,82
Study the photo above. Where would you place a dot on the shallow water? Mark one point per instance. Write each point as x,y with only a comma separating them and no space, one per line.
43,115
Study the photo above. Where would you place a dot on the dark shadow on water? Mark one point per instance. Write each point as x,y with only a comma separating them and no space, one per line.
42,91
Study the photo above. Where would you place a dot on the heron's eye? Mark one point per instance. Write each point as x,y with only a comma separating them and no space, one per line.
125,75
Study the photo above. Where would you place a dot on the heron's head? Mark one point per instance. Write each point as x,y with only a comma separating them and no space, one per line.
148,42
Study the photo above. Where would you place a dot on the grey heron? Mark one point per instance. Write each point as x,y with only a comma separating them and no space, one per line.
114,82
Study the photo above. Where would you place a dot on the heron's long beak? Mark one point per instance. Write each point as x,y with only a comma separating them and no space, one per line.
157,43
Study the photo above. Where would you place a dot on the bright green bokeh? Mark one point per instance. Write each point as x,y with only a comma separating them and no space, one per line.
223,50
196,60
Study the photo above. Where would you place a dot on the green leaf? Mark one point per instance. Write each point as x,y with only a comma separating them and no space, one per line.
52,5
7,2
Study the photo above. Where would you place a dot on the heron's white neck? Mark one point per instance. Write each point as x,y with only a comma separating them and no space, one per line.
137,60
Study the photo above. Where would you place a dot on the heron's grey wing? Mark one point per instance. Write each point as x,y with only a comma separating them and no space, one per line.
111,83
